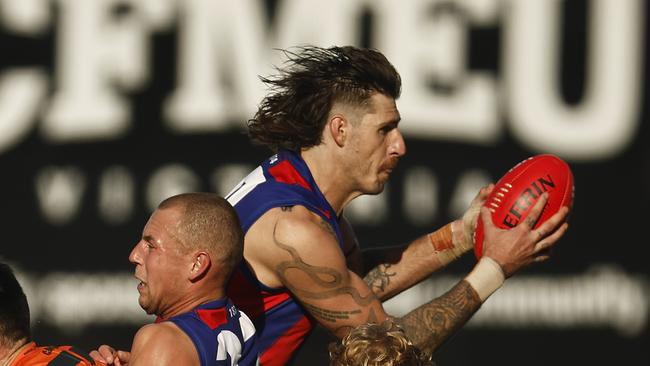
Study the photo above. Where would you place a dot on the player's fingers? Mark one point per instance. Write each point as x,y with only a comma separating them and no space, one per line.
98,357
558,218
482,195
551,225
541,258
552,239
123,356
486,216
536,211
485,191
108,353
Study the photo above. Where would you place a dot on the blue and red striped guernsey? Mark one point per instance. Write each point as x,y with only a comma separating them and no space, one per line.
281,323
219,320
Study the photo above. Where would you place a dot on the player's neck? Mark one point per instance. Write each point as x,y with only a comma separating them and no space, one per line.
329,177
191,301
7,355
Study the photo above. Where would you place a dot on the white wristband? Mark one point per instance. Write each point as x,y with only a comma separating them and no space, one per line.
486,277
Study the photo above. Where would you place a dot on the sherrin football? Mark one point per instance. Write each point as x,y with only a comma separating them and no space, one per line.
516,193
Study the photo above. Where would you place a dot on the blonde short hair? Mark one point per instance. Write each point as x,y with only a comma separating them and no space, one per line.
372,344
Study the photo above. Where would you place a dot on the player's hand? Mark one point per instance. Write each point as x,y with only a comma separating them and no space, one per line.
522,245
470,218
111,356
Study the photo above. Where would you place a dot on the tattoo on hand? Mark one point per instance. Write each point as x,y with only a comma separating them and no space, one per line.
530,222
379,277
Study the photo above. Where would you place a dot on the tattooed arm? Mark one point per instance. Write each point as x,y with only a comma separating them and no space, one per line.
391,270
507,251
302,254
294,248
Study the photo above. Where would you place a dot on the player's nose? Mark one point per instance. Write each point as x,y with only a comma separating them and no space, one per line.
397,145
136,256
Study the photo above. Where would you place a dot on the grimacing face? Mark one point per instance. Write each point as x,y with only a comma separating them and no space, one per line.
159,264
376,145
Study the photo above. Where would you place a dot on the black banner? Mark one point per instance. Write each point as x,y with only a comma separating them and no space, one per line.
108,107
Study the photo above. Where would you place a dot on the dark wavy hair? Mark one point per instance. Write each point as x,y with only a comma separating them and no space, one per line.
302,93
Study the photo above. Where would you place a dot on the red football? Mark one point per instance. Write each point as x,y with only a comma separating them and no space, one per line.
516,193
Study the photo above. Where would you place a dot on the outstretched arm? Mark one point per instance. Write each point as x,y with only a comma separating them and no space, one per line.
506,252
389,271
302,254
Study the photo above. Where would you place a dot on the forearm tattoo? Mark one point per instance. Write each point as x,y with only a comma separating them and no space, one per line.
430,325
378,278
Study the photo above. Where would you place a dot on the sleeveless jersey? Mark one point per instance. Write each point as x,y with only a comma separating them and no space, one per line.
281,323
33,355
222,335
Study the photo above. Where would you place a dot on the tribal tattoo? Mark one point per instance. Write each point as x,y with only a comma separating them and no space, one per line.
328,282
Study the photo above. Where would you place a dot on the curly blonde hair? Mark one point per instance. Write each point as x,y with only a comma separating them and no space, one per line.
373,344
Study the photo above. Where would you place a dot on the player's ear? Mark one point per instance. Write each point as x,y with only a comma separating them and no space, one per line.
200,265
337,126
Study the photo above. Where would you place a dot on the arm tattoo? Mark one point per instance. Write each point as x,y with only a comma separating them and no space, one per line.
379,277
327,281
430,325
330,315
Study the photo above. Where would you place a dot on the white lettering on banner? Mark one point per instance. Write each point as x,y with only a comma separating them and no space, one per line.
94,51
116,195
22,92
25,16
427,41
59,191
608,117
170,180
224,45
325,23
220,53
605,296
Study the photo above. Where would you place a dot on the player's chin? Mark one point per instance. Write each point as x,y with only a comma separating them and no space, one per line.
143,303
377,187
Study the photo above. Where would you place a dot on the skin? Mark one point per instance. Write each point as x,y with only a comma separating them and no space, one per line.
294,248
172,281
357,157
8,352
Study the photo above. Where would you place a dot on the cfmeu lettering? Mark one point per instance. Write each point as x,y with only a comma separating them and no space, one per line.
104,52
527,198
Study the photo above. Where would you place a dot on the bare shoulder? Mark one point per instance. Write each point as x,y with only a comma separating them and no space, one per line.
304,231
162,344
290,234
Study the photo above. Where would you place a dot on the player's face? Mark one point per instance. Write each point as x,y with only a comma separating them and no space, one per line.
159,264
376,145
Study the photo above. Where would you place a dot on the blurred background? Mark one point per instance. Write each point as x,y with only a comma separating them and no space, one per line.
109,106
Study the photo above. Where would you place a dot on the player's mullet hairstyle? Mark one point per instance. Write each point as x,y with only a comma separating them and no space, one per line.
292,116
14,310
